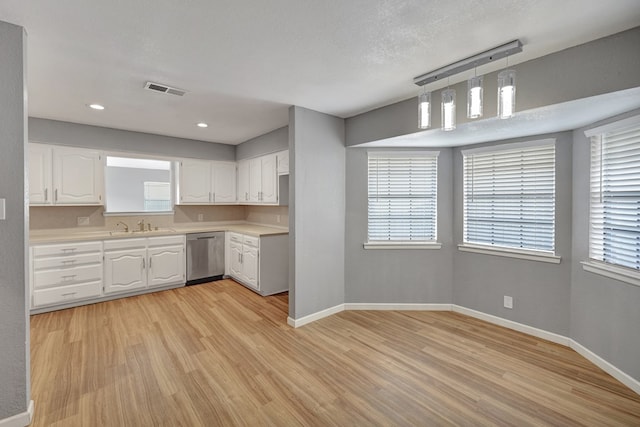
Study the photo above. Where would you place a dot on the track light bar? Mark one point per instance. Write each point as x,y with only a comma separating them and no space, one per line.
470,62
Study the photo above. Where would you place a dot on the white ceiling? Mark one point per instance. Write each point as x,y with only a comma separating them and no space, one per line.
244,62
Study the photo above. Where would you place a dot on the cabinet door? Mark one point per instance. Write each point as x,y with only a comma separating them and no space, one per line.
224,182
255,180
243,181
235,262
40,192
166,265
195,182
125,270
78,176
283,162
250,266
269,177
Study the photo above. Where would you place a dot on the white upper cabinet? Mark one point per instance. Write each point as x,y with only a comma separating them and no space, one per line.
65,176
243,181
255,180
205,182
224,182
283,162
78,176
269,178
40,177
195,182
258,180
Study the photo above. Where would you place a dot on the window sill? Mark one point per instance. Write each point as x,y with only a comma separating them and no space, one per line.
613,272
138,213
511,253
402,245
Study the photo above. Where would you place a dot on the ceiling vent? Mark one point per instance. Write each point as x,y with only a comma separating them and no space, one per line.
157,87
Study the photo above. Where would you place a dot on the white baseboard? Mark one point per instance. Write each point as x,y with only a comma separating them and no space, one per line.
397,306
520,327
616,373
19,420
296,323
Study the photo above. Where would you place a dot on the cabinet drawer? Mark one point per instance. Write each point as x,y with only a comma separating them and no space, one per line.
115,245
235,237
66,249
166,240
252,241
67,261
66,276
66,293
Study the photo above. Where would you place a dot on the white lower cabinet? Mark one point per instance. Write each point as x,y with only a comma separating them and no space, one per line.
133,264
69,274
125,266
166,263
65,273
260,263
243,263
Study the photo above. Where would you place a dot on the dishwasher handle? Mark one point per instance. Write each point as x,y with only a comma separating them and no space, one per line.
204,236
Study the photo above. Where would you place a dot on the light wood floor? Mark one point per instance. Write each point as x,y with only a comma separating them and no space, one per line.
217,354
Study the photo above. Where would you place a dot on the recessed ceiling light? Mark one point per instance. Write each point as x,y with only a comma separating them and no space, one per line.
96,106
202,125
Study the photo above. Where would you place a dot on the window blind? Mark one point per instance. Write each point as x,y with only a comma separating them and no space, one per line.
614,235
509,196
402,195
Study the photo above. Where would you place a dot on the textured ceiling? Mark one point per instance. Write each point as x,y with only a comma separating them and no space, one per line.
245,62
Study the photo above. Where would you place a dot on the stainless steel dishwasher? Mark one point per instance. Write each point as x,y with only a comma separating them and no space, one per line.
205,257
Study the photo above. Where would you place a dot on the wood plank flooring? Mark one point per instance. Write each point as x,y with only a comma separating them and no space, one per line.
217,355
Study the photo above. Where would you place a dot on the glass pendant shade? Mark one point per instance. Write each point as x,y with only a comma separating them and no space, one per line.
448,109
506,94
424,110
474,97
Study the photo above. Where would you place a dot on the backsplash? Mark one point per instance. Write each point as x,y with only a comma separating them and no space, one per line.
268,215
53,217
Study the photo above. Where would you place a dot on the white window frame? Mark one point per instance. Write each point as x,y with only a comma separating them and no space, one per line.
403,244
531,254
596,264
150,157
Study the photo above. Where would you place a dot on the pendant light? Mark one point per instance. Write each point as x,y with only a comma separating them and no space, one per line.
506,93
448,109
424,110
506,87
474,97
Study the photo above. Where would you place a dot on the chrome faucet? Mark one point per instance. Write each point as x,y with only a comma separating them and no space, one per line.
141,225
126,227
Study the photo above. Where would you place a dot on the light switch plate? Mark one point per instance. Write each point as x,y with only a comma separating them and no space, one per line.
3,211
83,220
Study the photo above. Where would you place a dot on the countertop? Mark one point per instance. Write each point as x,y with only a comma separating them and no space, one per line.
86,234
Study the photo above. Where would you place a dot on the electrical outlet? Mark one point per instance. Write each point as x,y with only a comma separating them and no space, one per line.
508,301
3,210
200,217
83,221
278,219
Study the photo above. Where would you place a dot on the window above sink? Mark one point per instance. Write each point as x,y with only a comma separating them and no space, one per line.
138,185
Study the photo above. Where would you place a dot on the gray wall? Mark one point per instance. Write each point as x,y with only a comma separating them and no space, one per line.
605,313
317,211
601,66
14,321
396,276
77,135
277,140
540,290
